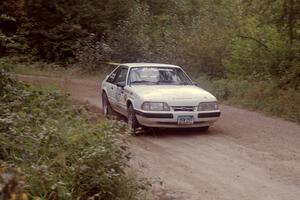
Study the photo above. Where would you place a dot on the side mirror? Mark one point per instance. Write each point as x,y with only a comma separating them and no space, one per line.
121,84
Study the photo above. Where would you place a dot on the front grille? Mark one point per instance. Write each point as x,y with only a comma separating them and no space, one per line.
183,108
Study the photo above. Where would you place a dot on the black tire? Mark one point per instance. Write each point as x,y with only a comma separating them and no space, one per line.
133,123
107,110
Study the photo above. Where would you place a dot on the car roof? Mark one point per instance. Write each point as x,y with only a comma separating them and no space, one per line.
149,65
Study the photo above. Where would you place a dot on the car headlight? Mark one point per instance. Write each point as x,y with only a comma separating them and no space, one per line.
155,106
208,106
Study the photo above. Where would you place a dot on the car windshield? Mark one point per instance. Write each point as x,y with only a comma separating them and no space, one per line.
158,75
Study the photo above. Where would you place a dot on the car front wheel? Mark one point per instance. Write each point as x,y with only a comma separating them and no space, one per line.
133,124
106,107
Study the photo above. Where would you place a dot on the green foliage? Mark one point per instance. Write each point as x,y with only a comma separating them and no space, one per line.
264,51
217,38
58,27
261,95
51,150
255,40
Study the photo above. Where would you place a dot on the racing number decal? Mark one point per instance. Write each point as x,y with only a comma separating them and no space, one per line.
119,94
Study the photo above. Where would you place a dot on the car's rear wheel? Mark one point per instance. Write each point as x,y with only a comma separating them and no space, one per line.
106,107
133,123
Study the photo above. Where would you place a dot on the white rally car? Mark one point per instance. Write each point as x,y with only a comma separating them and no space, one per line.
157,95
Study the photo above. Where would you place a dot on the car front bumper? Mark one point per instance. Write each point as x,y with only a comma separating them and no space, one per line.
170,119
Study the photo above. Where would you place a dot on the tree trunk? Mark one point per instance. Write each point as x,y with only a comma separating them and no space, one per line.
291,20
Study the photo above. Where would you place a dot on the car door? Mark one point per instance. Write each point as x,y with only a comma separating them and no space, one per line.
119,94
110,86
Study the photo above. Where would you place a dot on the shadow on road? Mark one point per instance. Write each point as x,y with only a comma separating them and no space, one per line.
171,132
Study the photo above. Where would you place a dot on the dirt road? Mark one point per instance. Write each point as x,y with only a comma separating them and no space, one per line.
244,156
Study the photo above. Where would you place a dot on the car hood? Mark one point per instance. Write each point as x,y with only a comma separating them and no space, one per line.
170,92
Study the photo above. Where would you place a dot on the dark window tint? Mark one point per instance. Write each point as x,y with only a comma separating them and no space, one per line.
121,75
112,77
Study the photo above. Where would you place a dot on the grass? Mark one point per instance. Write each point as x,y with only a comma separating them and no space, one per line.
53,149
263,96
53,70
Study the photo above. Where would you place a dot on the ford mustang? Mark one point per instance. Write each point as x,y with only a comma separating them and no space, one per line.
157,95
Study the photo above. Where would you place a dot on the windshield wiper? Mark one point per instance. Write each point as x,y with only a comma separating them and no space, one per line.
173,82
185,83
143,81
167,82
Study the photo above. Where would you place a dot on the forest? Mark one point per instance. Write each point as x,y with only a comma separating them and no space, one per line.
218,38
228,45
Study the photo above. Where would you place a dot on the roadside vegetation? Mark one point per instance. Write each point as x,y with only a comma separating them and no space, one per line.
54,70
264,96
53,149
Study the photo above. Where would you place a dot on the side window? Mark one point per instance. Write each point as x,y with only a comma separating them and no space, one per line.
112,77
121,75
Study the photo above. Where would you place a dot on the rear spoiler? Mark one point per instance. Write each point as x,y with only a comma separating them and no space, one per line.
113,63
